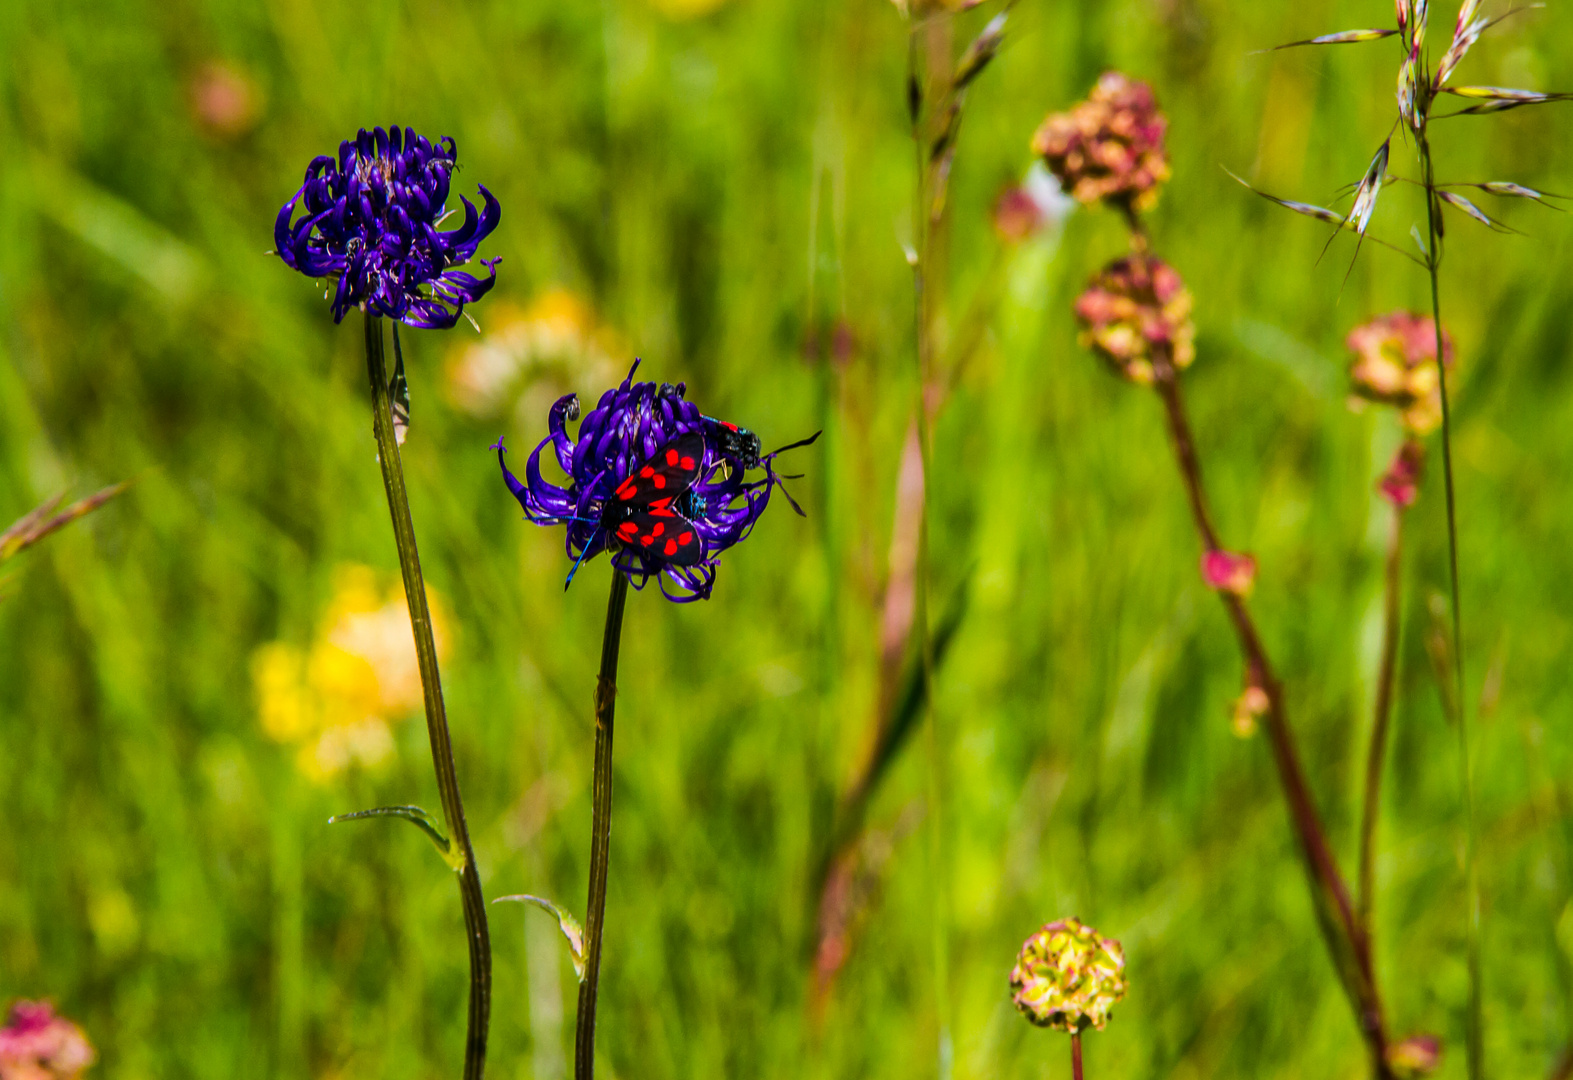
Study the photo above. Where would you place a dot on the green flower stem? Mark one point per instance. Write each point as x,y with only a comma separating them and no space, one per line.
1382,710
600,829
1472,1027
930,215
436,716
1345,936
1075,1055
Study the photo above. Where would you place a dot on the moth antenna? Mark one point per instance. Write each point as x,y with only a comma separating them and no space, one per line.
793,446
587,545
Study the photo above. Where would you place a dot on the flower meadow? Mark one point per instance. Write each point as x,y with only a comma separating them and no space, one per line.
736,538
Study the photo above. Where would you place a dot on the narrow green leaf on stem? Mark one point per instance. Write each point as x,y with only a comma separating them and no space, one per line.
572,931
415,816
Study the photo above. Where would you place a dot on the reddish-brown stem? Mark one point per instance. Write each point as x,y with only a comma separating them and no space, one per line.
1346,938
1377,754
1076,1055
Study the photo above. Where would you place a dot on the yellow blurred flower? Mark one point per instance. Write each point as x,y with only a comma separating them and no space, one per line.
334,699
529,354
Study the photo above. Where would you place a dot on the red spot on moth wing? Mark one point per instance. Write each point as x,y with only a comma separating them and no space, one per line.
657,479
671,456
688,463
627,529
661,512
660,527
685,539
729,427
647,540
625,490
647,472
661,504
671,548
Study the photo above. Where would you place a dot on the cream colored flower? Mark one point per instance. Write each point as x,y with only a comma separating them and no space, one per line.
1068,977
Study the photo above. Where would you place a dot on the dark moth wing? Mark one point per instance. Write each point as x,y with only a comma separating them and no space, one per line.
666,474
664,533
640,512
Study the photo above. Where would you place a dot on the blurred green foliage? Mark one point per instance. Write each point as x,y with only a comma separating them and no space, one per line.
727,190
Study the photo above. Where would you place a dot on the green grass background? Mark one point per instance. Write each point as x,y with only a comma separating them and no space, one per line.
722,189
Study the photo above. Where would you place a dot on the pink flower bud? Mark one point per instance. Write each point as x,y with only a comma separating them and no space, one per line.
1400,485
1228,572
1418,1055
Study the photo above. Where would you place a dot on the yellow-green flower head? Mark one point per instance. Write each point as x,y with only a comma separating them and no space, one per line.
1068,977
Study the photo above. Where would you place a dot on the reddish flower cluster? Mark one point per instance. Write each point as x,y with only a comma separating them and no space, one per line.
1109,146
36,1044
1400,485
1395,364
1132,308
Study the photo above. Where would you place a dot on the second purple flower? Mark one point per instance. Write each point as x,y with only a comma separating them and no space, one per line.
618,442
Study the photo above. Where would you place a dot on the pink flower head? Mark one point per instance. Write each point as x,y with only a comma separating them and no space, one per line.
1395,364
1401,483
36,1044
1031,206
1109,146
1228,572
1133,307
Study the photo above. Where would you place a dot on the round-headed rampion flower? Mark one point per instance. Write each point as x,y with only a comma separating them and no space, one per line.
1068,977
1130,308
1110,146
36,1044
370,224
1395,364
629,424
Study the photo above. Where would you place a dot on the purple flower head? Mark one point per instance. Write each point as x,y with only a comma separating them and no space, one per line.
370,223
625,429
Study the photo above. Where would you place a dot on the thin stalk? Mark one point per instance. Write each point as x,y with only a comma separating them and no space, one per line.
476,932
924,278
1472,1028
1383,709
600,828
1345,937
1076,1055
